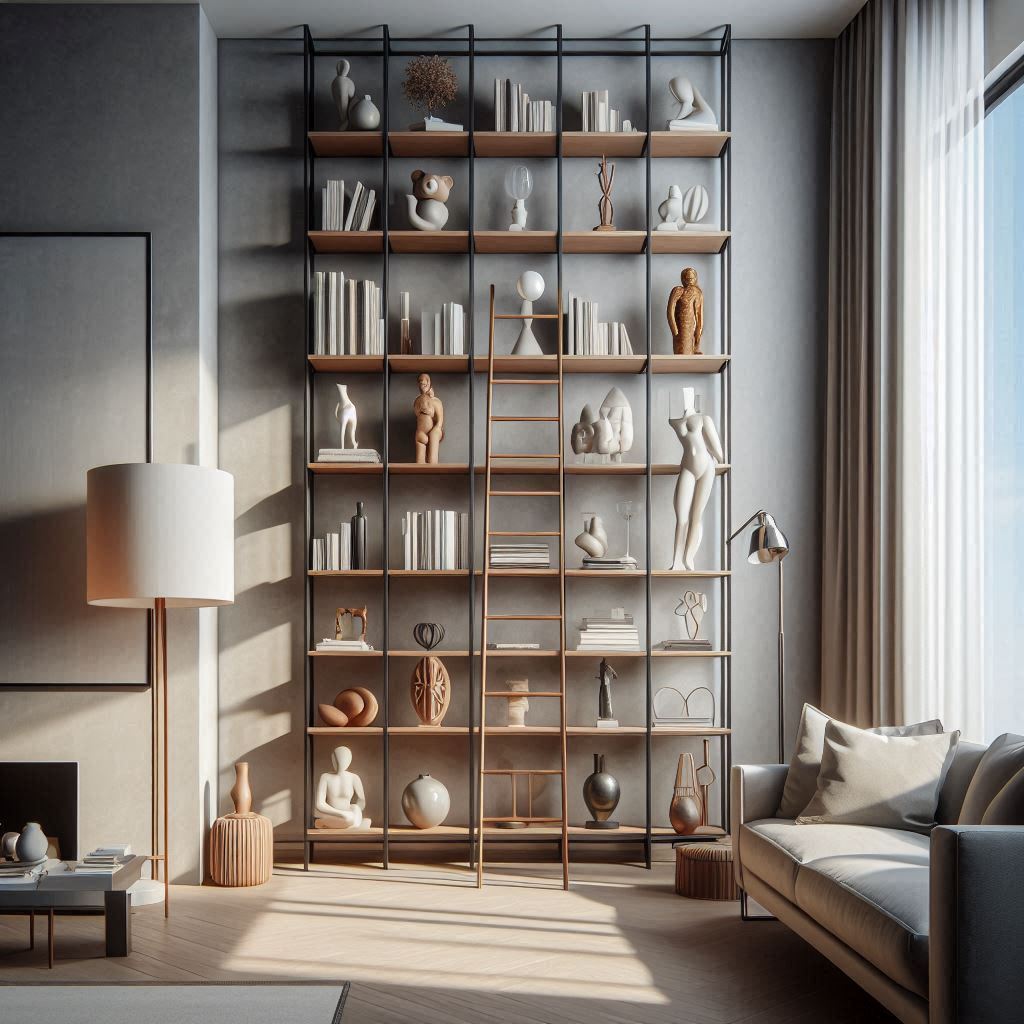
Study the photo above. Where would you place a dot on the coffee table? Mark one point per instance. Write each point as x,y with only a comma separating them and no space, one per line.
108,894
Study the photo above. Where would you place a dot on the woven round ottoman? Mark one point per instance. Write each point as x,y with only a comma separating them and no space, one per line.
241,850
704,871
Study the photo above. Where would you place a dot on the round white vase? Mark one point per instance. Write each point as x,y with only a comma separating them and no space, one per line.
426,802
32,843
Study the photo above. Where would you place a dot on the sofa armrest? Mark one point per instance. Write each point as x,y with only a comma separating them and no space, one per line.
755,793
976,925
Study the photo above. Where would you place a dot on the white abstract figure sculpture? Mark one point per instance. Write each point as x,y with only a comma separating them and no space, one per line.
617,411
347,417
342,91
702,451
582,438
519,186
695,205
605,440
694,113
339,796
593,540
671,210
530,288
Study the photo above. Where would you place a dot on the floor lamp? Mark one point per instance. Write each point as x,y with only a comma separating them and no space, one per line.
768,544
160,536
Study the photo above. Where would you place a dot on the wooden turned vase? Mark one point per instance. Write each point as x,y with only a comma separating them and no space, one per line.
431,690
241,791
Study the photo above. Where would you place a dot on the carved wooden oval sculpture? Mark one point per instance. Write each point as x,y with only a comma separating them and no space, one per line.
431,690
428,634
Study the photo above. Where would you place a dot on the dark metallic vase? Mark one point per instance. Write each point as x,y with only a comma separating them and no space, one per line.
601,794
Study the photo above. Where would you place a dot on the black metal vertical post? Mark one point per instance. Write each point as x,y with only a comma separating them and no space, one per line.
308,52
386,453
648,478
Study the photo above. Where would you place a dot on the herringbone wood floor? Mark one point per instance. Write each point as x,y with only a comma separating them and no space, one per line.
422,946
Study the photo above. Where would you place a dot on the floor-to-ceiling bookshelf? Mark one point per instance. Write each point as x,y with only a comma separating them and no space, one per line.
645,148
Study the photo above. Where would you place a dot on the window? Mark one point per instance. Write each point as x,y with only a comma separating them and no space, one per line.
1004,440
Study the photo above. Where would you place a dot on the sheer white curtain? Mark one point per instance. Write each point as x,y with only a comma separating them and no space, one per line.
903,594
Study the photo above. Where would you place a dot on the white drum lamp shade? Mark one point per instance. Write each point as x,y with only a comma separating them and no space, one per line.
157,530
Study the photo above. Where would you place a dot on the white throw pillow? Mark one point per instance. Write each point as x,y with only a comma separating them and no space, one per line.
887,781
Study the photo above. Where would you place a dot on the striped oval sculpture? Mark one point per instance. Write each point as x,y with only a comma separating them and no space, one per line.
242,843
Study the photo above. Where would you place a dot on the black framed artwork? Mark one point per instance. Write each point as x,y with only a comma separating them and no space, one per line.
76,391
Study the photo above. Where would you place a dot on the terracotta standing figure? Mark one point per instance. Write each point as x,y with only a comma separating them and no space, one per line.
686,315
429,422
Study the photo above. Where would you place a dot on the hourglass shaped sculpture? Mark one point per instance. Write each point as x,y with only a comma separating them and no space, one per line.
702,451
519,186
530,287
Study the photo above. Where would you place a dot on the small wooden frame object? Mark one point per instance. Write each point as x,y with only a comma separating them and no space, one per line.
341,614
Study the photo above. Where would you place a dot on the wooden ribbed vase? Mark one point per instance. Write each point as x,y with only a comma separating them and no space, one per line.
241,850
704,871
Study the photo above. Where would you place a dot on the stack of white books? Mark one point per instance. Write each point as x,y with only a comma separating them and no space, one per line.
334,551
600,116
436,539
621,563
443,331
700,644
360,207
347,319
17,875
586,335
331,644
348,455
609,634
514,111
104,860
520,556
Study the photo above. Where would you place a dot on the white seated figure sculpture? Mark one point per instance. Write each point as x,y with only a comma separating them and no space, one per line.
694,114
340,800
702,451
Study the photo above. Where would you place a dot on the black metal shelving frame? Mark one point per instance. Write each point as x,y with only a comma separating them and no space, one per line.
554,45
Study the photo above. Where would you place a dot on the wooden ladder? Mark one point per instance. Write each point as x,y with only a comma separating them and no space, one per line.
507,462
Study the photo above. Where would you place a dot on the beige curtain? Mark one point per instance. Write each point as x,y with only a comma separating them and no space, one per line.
902,595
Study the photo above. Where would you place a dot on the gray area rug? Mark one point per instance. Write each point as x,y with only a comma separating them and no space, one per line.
160,1003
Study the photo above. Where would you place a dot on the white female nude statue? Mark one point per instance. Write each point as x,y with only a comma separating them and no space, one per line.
339,795
347,416
702,451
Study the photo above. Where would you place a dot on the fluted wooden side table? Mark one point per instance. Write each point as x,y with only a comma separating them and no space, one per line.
241,850
704,871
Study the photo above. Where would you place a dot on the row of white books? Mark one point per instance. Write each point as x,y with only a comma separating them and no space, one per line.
360,207
609,634
443,331
520,556
333,552
514,111
347,318
599,115
436,539
586,335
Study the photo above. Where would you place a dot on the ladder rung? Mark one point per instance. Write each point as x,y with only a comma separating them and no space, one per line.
525,316
524,693
523,771
523,533
525,455
524,380
524,419
526,618
524,494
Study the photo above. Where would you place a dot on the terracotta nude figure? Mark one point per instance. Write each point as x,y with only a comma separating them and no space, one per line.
686,315
429,422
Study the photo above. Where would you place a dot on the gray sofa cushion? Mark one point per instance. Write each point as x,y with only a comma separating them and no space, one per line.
965,762
1000,763
802,780
878,906
774,849
1007,807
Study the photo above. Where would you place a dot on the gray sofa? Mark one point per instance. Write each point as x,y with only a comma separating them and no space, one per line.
931,926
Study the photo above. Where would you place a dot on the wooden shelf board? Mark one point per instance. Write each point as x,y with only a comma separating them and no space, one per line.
429,241
428,364
690,654
356,730
519,364
429,143
515,241
521,573
525,730
694,574
429,573
437,652
347,364
431,468
603,364
600,144
688,144
344,834
515,143
344,572
428,730
690,730
710,362
606,574
331,468
630,242
703,833
689,242
345,654
606,654
522,654
347,143
347,241
405,832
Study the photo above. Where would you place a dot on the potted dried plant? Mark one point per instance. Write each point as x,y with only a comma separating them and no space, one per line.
431,84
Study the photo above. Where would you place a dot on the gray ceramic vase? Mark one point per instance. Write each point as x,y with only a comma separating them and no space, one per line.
32,843
601,795
426,802
363,115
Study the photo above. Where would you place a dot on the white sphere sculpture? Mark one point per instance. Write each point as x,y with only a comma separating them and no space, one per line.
530,286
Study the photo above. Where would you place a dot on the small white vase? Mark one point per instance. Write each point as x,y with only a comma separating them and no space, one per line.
426,802
363,115
32,843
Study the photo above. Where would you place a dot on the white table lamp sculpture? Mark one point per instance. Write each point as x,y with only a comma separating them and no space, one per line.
530,287
702,451
519,186
348,418
340,800
694,113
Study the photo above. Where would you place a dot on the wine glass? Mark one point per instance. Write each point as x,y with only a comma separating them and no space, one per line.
627,511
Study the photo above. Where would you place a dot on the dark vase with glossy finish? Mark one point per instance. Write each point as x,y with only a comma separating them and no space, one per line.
601,794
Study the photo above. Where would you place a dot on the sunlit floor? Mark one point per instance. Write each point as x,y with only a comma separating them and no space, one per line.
422,945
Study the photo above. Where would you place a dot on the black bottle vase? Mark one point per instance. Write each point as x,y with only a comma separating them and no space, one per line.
601,794
359,538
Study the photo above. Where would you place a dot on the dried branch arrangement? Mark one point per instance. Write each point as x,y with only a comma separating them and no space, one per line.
430,83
